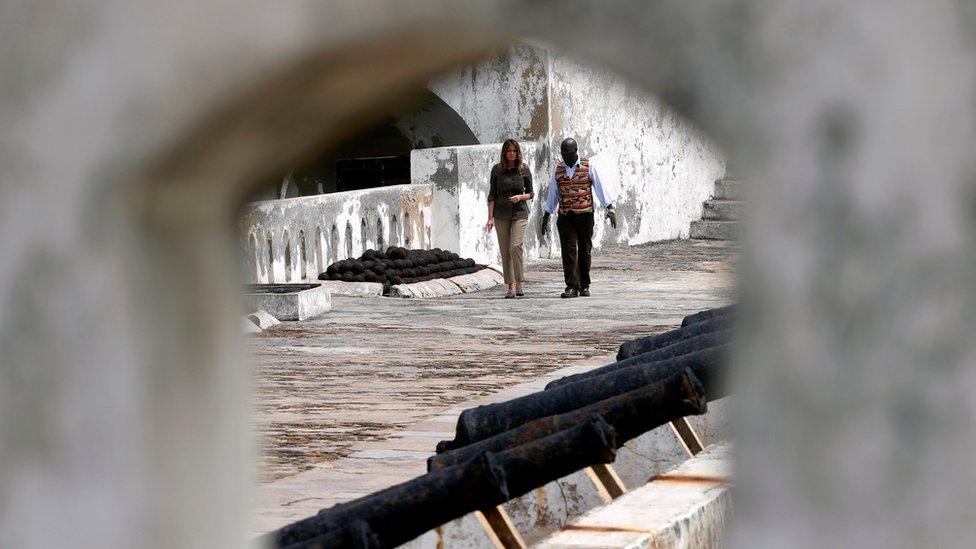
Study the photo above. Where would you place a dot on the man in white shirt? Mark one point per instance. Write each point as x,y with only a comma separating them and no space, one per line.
571,189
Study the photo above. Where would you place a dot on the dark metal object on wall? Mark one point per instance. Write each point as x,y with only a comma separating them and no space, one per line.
708,314
542,461
486,421
354,535
630,415
402,512
679,348
647,344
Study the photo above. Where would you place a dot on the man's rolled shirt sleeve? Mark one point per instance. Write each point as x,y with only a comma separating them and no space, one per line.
552,196
602,194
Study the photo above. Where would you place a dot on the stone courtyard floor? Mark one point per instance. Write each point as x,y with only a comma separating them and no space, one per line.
355,401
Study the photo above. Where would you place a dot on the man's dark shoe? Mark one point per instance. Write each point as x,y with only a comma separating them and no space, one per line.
585,292
570,292
519,293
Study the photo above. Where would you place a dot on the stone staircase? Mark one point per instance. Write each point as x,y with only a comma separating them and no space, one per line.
720,220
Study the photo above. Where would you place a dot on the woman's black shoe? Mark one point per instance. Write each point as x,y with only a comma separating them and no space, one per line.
585,292
570,292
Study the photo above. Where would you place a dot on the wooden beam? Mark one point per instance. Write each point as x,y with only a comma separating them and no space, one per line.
687,436
500,529
607,481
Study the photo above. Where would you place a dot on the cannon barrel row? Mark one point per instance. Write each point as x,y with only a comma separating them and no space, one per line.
683,347
489,420
643,345
630,415
707,314
400,513
479,483
542,461
505,450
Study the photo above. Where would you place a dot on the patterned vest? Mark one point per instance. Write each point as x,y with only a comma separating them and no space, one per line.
575,193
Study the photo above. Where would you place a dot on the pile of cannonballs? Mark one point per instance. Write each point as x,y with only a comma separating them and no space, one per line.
400,266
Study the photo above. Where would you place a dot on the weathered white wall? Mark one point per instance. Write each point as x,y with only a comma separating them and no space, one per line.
661,167
503,97
335,226
460,177
658,166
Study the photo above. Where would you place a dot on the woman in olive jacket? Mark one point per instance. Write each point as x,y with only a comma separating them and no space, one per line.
509,192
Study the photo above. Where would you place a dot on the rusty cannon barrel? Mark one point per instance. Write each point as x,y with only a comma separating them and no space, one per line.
707,314
354,535
630,415
680,348
643,345
489,420
537,463
400,513
403,512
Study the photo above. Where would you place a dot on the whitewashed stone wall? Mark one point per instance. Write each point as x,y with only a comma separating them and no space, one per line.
460,178
297,238
505,96
659,167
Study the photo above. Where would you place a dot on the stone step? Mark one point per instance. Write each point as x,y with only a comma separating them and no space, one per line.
729,189
714,230
723,210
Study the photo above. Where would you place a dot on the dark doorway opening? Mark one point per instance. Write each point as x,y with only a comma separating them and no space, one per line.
379,156
377,171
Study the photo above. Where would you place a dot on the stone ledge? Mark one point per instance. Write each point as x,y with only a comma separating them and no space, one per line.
261,320
297,301
690,506
704,229
353,289
438,287
481,280
443,287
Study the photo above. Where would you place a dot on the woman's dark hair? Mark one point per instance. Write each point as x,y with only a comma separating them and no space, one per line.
518,153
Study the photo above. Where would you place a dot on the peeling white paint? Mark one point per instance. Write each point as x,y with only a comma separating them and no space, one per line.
334,214
658,168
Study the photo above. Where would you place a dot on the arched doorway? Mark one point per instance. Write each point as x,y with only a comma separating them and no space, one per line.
729,65
379,155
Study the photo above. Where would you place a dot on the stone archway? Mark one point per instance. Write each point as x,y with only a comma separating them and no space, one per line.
842,109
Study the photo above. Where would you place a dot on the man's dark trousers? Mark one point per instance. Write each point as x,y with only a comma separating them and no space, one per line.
575,239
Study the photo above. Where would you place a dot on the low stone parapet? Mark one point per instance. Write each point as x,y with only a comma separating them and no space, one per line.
289,301
353,289
687,507
443,287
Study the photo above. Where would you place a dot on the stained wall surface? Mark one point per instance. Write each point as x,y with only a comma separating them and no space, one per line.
657,166
297,238
505,96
